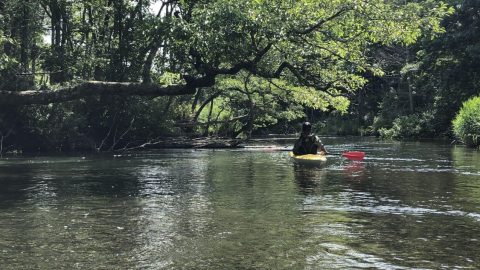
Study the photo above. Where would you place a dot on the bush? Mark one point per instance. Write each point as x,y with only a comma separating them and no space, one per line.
95,124
418,125
466,124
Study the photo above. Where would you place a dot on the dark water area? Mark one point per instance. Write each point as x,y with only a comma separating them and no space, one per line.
407,205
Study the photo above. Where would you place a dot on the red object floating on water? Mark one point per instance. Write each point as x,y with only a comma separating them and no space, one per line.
354,155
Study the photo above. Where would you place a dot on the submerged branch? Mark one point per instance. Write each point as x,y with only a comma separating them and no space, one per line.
183,142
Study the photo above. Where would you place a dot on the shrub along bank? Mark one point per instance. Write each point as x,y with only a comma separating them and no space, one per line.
466,124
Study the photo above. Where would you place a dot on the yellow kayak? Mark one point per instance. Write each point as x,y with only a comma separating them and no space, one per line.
310,158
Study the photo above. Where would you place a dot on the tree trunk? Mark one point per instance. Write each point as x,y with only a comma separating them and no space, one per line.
207,127
410,95
24,34
92,88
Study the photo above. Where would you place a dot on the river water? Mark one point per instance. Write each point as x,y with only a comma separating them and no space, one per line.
407,205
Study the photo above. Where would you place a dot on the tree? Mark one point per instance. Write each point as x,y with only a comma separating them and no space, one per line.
239,65
443,73
318,44
448,72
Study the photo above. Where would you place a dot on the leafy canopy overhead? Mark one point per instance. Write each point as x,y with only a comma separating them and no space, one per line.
321,44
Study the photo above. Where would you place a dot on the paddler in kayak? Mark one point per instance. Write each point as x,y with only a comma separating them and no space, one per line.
308,143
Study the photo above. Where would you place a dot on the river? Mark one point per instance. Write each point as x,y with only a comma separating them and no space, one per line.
407,205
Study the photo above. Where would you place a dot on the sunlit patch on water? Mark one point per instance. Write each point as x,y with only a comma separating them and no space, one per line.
365,203
395,159
336,256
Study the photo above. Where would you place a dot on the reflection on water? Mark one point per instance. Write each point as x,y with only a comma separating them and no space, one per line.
407,205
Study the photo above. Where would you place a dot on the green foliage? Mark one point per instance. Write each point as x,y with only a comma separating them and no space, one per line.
328,63
255,102
97,124
466,124
329,56
5,60
409,127
338,125
446,70
295,55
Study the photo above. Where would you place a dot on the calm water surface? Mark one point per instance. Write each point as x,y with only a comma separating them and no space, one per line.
408,205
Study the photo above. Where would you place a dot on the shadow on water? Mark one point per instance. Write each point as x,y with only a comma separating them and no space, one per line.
66,177
15,187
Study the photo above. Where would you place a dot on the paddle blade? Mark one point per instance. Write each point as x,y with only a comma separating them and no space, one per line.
354,155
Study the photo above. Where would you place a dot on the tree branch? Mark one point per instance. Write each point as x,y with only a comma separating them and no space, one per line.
91,88
308,82
205,103
320,23
249,65
196,123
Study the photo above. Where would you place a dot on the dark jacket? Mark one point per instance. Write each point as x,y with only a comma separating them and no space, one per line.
307,144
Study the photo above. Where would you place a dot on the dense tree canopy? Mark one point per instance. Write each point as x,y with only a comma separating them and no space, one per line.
431,78
242,65
318,44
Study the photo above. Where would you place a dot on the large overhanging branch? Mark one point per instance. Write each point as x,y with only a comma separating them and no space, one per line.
92,88
248,65
309,82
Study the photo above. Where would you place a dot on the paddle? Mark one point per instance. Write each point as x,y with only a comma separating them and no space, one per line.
354,155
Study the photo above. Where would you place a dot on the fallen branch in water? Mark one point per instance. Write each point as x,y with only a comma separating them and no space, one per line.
185,143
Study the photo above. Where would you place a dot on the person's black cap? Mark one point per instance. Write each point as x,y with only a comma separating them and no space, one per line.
306,127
